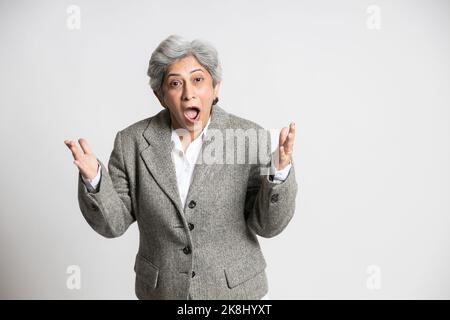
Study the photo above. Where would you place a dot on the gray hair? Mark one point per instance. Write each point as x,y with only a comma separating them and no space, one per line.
176,47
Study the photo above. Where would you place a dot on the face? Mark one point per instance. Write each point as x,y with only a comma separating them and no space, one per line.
188,94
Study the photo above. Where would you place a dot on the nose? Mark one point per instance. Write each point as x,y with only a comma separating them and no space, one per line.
188,92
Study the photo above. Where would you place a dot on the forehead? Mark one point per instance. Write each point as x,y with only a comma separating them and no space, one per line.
184,65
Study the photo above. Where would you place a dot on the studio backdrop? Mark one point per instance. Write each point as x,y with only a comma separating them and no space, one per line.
366,82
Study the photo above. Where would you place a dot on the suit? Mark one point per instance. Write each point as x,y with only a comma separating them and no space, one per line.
206,249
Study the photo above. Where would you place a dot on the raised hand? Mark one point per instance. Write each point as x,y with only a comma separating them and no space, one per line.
285,146
84,159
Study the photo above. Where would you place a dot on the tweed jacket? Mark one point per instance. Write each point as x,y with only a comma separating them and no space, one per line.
209,248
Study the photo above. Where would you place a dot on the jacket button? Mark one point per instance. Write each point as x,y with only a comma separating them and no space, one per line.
191,226
193,274
192,204
187,250
274,198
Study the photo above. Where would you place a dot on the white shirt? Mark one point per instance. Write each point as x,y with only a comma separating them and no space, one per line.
184,166
185,161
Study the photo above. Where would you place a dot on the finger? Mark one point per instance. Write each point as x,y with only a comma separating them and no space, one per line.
85,146
289,144
68,143
292,127
282,138
78,164
76,152
285,153
284,158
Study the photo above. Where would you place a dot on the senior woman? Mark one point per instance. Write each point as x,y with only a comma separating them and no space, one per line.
198,215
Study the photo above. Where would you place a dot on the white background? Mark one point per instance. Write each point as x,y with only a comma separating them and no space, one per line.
371,152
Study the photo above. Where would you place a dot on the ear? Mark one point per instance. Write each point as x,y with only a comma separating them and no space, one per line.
159,99
216,88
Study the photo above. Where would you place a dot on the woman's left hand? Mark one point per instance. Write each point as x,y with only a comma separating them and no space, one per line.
286,146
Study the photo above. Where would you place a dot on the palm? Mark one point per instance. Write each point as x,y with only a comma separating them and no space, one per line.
285,146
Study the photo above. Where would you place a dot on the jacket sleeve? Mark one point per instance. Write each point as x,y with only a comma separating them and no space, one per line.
108,210
269,206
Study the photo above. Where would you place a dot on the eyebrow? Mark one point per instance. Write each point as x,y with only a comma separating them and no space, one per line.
177,74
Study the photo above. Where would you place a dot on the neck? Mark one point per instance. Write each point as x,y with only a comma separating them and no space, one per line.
198,128
187,139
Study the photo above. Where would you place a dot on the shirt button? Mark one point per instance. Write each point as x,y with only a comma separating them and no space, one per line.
192,204
187,250
191,226
193,274
274,198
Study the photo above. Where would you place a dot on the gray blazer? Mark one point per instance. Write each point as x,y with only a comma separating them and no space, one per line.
209,248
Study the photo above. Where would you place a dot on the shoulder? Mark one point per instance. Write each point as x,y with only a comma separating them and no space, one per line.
238,122
136,128
132,136
250,127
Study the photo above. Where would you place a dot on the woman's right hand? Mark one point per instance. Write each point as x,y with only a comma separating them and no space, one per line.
84,159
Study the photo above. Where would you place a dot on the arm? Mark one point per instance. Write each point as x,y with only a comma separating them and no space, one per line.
108,209
270,205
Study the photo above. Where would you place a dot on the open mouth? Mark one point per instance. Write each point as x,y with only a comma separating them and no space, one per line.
192,113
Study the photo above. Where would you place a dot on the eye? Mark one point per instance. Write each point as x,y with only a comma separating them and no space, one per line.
198,79
174,83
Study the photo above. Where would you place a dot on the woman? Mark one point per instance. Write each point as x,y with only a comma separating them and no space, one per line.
198,216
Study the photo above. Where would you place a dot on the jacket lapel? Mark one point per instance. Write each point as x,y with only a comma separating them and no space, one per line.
203,170
157,155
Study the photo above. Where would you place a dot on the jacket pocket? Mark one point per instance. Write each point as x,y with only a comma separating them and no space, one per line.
146,271
244,269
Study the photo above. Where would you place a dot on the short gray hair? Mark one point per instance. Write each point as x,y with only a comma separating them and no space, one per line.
176,47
